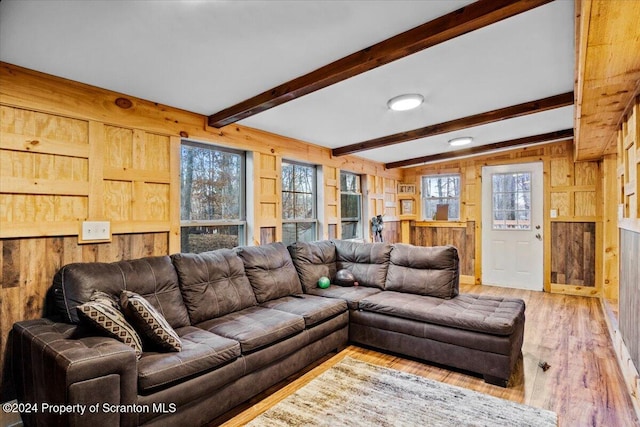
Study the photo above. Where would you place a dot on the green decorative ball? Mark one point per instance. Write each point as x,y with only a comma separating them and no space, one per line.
324,282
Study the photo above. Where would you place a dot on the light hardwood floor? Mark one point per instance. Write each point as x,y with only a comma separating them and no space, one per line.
583,385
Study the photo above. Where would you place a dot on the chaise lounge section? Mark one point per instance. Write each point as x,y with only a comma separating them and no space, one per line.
408,302
247,319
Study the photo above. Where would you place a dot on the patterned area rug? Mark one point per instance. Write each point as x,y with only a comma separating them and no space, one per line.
355,393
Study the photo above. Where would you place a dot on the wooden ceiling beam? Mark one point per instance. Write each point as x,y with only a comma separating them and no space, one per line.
511,112
535,139
459,22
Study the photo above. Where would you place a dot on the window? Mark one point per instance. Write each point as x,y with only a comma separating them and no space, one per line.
511,201
212,206
441,190
298,203
350,205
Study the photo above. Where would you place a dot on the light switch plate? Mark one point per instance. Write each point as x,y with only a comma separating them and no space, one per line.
96,230
554,213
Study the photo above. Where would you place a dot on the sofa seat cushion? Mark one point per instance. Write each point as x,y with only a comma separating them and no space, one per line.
255,327
362,321
312,308
352,295
368,262
202,351
480,313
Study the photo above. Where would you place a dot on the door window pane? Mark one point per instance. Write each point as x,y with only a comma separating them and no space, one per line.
511,201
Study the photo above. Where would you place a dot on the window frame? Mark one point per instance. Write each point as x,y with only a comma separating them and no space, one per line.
424,199
241,222
314,193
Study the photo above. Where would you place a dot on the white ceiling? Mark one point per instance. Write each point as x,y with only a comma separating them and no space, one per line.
204,56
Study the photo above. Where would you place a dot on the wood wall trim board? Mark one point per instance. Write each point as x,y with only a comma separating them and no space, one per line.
95,208
546,236
131,227
16,142
174,195
441,29
441,224
137,175
44,186
14,230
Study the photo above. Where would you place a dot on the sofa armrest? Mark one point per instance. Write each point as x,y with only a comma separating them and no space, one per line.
52,365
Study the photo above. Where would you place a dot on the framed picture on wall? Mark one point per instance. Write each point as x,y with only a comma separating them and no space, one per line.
406,188
407,207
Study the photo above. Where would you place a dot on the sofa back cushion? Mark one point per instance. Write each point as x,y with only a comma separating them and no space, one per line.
430,270
213,284
313,260
368,262
270,271
153,277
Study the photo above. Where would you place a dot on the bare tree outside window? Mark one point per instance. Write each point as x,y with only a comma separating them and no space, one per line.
298,202
212,210
441,190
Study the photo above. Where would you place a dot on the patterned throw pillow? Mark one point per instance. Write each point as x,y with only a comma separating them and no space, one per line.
103,314
149,322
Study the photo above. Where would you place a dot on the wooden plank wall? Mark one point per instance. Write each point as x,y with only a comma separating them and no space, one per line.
573,253
27,267
574,189
462,238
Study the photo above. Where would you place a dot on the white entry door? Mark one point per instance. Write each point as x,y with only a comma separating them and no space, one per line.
512,248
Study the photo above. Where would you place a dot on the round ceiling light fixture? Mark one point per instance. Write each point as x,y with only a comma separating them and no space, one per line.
405,102
458,142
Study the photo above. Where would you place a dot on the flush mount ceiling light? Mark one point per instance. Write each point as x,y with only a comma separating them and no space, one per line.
457,142
405,102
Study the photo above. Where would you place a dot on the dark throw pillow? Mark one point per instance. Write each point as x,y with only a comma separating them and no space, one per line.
102,313
149,323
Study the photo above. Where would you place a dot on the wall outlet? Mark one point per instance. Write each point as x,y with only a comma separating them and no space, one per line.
553,213
96,230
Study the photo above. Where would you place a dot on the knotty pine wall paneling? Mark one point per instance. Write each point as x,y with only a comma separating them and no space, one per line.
267,203
332,224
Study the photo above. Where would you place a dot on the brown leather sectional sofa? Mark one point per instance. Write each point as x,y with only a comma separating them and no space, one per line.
247,319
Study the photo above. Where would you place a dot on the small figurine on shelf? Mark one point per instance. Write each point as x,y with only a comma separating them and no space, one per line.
377,224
